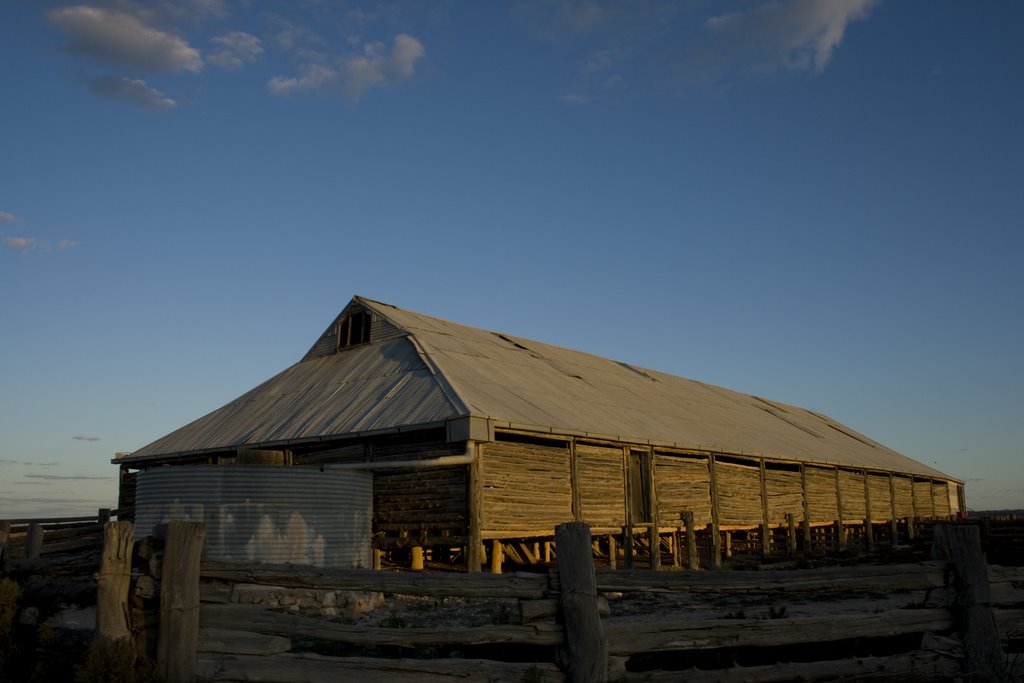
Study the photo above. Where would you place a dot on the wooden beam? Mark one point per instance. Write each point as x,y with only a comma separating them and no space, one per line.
475,512
691,541
716,542
807,509
869,532
497,556
766,535
586,647
894,522
577,500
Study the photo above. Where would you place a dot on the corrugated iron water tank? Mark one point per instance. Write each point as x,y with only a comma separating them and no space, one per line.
264,514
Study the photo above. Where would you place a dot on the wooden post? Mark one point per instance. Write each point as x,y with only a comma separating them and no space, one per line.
113,581
586,649
766,539
790,534
911,531
417,558
547,551
378,558
839,510
961,545
574,479
677,551
715,546
34,542
179,602
894,522
103,514
5,533
628,549
728,544
840,535
807,511
475,503
654,537
497,556
691,541
613,552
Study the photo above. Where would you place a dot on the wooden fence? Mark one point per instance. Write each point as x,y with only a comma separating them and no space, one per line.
935,620
27,541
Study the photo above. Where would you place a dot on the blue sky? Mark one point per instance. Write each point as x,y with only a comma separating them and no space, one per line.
816,202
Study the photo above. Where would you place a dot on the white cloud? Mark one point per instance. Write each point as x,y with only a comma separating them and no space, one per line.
67,244
130,90
791,34
237,49
575,97
20,243
313,77
6,217
377,66
80,437
123,38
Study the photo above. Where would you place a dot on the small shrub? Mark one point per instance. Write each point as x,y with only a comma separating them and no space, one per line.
10,594
114,662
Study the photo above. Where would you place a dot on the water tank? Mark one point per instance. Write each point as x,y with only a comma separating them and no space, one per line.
264,514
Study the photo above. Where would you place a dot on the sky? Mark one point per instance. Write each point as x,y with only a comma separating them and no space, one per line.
815,202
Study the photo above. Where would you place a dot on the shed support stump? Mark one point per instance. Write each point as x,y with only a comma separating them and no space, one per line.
497,555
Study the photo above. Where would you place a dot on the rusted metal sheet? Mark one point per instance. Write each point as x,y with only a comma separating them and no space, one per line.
264,514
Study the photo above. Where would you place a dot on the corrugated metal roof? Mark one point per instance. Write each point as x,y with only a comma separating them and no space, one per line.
366,388
444,370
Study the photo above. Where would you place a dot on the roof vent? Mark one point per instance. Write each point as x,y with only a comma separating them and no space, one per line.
354,329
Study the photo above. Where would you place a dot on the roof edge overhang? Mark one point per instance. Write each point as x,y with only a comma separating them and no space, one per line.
458,429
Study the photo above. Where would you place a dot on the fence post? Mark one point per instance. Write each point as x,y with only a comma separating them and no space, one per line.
586,647
960,544
34,542
179,602
5,533
113,582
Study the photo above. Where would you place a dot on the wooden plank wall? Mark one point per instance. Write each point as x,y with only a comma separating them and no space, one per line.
923,498
526,487
785,495
821,494
601,481
881,497
851,485
421,500
941,494
683,484
739,493
904,496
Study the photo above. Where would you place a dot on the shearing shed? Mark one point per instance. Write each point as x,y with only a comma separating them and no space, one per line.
479,440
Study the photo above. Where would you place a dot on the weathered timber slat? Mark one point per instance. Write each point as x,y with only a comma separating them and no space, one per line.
310,668
627,636
870,578
230,641
917,666
259,619
511,585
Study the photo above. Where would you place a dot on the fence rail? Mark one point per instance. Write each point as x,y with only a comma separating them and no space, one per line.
281,623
